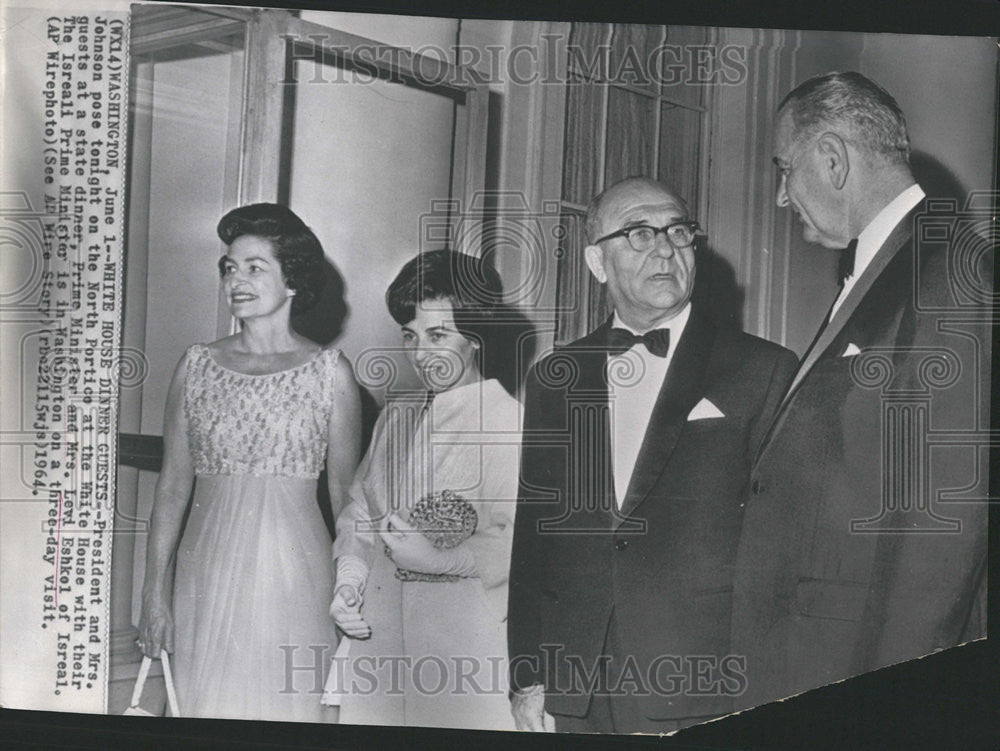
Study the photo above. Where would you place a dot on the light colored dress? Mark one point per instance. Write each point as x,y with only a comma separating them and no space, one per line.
254,572
437,655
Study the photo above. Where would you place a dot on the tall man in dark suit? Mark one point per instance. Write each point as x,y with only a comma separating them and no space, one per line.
636,449
864,541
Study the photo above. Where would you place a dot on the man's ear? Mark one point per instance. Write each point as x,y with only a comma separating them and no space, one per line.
835,160
595,262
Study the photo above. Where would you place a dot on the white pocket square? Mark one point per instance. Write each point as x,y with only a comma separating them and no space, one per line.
852,349
703,410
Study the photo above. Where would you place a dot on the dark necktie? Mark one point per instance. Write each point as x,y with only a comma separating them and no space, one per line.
657,341
845,267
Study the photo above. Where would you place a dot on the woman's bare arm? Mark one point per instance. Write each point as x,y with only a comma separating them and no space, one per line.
173,489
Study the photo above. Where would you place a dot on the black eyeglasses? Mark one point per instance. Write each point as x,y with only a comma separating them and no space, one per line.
642,237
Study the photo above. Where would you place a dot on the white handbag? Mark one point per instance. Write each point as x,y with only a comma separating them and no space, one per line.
333,692
140,682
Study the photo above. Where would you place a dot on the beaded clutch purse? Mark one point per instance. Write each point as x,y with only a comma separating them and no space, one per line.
447,520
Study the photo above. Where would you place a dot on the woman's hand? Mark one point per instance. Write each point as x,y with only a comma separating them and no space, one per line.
409,548
170,500
528,709
346,612
156,626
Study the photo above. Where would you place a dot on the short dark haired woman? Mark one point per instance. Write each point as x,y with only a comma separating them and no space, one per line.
423,548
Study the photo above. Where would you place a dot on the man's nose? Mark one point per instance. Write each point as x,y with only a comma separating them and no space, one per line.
781,198
662,245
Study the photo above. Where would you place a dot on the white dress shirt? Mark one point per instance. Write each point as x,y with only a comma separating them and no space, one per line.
874,236
634,381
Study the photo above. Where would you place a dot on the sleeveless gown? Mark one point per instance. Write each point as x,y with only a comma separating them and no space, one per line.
254,572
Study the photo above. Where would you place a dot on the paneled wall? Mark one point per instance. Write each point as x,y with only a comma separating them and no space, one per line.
788,284
367,160
765,276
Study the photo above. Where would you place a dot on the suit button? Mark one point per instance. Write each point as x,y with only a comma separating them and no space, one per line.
621,544
757,486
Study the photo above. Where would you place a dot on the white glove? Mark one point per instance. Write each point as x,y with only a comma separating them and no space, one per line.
352,573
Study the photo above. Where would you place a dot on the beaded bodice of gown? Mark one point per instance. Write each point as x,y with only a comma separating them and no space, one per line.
270,424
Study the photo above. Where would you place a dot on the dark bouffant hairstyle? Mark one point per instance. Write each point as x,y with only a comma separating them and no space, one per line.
472,286
295,246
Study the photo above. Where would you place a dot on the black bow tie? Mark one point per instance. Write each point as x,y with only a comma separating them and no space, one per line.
657,341
845,267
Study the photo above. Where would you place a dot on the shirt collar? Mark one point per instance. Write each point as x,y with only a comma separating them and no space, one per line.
878,230
675,324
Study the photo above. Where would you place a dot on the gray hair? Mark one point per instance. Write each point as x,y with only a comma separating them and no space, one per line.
861,110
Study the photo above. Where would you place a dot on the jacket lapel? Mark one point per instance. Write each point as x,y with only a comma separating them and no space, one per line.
885,254
587,412
826,337
682,387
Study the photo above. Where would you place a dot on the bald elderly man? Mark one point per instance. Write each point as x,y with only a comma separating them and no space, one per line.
638,440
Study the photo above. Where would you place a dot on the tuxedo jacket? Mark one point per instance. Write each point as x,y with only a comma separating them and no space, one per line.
664,561
864,539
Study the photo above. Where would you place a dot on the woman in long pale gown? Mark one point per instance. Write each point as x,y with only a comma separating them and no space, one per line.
250,420
427,623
